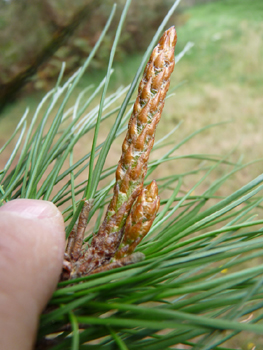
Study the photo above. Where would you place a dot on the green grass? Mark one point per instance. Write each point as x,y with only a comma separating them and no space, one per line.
224,75
223,33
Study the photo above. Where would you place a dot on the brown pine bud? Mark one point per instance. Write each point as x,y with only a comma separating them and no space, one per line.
132,165
139,140
139,220
76,236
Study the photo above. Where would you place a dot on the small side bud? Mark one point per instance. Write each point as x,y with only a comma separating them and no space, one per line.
139,220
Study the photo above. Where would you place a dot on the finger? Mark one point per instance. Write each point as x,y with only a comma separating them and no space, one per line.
32,242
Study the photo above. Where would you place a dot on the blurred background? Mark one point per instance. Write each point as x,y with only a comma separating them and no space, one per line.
221,74
220,78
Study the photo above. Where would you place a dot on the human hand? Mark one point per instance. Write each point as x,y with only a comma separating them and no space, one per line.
32,243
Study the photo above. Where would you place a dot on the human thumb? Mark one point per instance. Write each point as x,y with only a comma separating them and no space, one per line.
32,241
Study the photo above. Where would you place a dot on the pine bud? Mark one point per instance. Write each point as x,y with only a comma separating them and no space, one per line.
139,220
132,167
139,140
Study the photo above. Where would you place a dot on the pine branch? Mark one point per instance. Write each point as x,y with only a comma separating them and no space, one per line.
202,273
130,173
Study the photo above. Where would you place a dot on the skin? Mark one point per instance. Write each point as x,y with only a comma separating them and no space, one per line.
32,244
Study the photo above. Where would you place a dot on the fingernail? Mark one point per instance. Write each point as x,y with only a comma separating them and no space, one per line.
31,208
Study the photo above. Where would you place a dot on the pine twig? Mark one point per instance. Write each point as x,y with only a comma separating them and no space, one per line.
131,170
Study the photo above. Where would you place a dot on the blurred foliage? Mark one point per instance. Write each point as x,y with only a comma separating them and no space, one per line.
27,26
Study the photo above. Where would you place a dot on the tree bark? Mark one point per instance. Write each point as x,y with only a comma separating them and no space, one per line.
9,90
